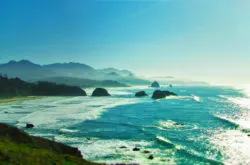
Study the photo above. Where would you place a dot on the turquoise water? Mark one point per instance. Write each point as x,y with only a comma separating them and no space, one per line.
203,125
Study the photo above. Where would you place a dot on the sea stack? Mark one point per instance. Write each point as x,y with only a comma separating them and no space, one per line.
28,125
140,94
100,92
155,84
158,94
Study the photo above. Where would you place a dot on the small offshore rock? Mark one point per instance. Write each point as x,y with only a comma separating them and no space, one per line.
146,151
140,94
158,94
136,149
155,84
29,125
123,147
151,157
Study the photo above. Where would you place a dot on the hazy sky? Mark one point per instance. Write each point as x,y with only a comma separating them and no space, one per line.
198,39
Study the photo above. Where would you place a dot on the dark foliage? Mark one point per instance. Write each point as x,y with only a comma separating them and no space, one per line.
10,87
53,89
14,87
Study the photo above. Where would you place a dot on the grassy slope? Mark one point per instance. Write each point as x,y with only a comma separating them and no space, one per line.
13,153
19,148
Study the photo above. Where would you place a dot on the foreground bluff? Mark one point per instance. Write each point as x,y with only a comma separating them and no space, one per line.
17,147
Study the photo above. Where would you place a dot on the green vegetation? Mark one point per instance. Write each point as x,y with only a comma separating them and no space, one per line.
15,87
17,147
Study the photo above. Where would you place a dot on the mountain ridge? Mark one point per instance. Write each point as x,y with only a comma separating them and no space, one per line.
30,71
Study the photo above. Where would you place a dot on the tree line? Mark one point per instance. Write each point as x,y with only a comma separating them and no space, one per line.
11,87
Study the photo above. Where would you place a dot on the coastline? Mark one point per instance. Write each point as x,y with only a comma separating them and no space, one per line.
21,98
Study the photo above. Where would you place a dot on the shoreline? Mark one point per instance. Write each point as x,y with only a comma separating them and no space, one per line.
21,98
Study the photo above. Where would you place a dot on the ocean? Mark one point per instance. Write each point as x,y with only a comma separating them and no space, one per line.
202,125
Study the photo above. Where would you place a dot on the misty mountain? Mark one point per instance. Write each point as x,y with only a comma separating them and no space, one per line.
69,69
117,71
58,72
25,70
83,83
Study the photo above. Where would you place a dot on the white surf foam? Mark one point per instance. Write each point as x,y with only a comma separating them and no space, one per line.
109,151
169,124
197,98
193,97
242,122
242,102
85,108
68,130
233,145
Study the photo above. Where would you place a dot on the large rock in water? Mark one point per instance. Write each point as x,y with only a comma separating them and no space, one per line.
155,84
140,94
158,94
100,92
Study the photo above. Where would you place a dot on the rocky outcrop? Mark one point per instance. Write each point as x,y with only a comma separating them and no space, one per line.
29,125
168,93
140,94
155,84
35,150
100,92
158,94
18,136
151,157
136,149
123,147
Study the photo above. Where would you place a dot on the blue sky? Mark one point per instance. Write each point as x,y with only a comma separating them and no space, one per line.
197,39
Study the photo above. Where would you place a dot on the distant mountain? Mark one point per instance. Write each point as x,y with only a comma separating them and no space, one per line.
25,70
117,71
29,71
84,83
69,69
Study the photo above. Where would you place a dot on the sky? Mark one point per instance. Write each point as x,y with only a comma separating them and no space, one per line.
205,40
